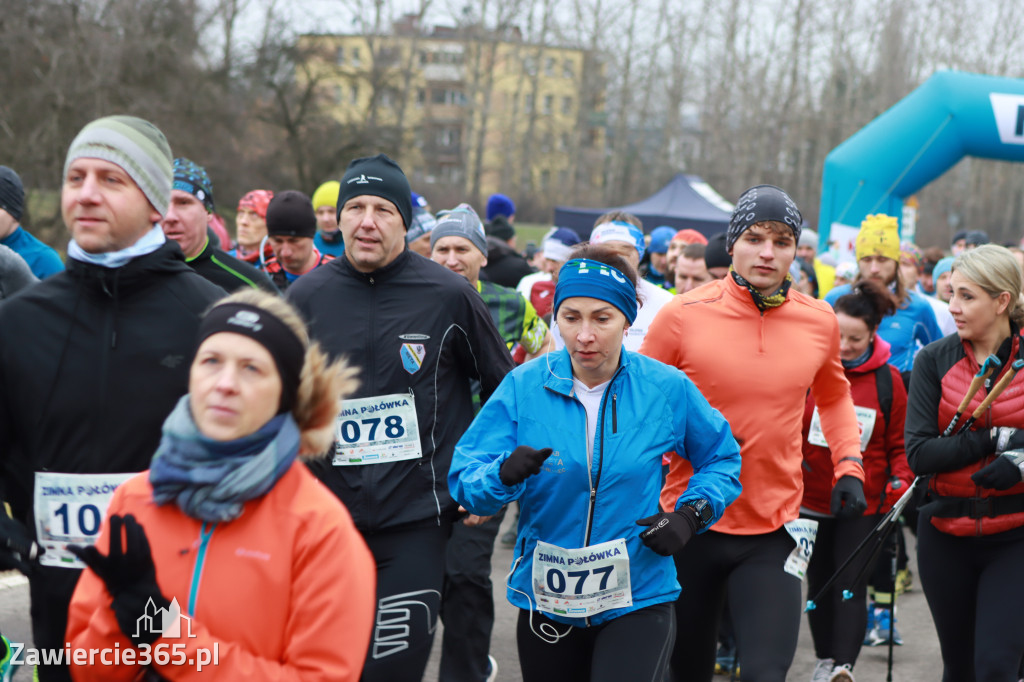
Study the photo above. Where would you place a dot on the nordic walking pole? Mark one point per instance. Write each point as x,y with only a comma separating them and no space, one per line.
893,570
891,521
1000,386
990,365
877,532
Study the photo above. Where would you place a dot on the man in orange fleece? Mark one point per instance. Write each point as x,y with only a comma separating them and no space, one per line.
754,348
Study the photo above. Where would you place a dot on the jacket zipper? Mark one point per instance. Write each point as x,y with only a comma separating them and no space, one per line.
615,413
197,570
371,361
594,482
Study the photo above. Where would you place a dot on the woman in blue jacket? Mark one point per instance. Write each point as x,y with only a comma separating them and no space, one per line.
577,437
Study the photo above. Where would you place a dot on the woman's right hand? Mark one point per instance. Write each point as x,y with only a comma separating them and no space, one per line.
521,464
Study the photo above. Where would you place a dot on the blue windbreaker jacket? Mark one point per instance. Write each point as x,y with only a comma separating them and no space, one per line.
648,409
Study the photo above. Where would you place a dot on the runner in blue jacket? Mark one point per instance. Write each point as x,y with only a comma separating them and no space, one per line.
577,437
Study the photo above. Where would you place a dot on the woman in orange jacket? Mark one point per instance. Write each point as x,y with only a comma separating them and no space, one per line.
236,563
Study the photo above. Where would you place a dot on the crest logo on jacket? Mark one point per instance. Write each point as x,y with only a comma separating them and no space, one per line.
412,356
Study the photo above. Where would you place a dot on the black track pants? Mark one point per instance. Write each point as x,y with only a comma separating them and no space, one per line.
837,624
410,579
764,602
976,596
467,610
632,647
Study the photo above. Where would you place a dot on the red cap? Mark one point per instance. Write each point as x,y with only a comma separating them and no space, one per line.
689,236
257,200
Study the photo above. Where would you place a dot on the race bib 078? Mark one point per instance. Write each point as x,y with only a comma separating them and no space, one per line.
69,509
377,430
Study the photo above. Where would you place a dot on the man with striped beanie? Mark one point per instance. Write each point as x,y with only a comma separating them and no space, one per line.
100,357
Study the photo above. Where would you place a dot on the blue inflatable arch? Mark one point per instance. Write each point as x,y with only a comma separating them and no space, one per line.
951,115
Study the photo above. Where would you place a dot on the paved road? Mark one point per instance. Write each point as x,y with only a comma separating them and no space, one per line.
918,660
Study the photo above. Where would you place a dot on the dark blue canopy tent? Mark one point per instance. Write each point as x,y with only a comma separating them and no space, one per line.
685,202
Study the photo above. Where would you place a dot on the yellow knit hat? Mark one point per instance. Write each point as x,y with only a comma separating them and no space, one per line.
879,236
326,194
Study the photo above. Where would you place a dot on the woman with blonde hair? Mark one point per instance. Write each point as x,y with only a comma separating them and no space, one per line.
971,533
257,569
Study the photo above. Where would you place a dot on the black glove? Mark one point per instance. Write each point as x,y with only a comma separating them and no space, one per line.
130,576
669,532
1007,438
848,498
1002,474
17,549
521,464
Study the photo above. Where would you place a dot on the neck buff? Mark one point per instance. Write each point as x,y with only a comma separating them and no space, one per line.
857,362
269,331
590,279
760,300
211,480
150,242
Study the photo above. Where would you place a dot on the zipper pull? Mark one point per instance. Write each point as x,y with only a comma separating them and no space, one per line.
615,413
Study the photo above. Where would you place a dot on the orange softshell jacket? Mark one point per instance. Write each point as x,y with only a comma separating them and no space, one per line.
756,368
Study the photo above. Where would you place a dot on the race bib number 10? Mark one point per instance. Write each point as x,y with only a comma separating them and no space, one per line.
377,430
68,510
581,582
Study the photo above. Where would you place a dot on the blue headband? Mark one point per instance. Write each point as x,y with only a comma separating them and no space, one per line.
590,279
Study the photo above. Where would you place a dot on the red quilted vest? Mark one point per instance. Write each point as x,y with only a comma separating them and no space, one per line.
1007,410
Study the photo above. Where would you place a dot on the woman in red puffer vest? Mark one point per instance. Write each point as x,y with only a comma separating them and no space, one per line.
971,533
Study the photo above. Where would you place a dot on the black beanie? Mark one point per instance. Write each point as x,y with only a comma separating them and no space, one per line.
715,254
500,228
763,203
380,177
12,193
291,214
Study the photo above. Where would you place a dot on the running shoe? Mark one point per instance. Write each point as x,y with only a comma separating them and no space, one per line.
823,670
904,580
879,634
725,660
6,671
492,669
870,624
842,673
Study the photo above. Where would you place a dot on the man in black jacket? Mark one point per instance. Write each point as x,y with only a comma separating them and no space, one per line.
187,222
420,333
92,359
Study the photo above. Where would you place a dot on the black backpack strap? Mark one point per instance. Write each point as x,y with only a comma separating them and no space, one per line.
883,383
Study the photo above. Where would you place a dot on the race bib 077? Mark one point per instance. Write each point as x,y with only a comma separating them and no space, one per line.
69,509
581,582
377,430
